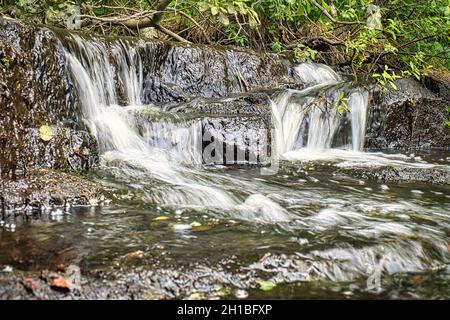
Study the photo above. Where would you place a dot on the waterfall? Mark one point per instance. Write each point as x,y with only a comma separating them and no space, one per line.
131,150
158,153
308,120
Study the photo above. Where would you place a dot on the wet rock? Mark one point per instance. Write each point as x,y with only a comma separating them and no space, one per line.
411,117
174,72
252,103
35,90
437,175
43,189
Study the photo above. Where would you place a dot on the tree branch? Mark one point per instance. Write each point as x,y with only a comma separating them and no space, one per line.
328,15
171,34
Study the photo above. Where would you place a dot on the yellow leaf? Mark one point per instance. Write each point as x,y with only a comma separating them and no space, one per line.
46,133
161,218
196,224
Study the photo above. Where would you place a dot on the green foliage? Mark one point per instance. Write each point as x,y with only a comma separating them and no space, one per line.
447,121
342,104
6,63
408,36
387,77
276,46
266,285
303,53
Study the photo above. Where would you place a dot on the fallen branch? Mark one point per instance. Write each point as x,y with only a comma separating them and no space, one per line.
171,33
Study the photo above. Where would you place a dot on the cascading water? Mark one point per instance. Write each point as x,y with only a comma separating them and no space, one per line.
116,129
315,221
308,120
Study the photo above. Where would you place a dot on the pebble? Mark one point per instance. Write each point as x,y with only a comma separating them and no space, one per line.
384,187
241,294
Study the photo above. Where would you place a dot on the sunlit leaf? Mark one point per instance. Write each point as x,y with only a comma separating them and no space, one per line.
266,285
46,133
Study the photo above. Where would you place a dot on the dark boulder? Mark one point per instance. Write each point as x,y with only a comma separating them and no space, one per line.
411,117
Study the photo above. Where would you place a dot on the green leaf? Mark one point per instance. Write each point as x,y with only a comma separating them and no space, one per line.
393,85
224,19
214,10
231,9
202,6
266,285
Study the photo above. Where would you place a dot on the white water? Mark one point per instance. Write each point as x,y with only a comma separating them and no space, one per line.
124,150
310,124
161,155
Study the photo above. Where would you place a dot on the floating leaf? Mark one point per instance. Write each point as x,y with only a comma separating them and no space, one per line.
196,224
46,133
161,218
266,285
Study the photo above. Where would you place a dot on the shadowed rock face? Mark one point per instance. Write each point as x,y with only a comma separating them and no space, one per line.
411,117
35,90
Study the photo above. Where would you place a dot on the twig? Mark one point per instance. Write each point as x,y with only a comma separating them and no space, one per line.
328,15
171,34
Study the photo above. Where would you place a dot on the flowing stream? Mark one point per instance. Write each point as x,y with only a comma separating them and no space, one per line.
329,233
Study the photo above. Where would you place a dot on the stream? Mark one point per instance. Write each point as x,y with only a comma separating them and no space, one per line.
214,205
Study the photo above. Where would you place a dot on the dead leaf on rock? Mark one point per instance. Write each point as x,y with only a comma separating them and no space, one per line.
60,283
46,133
61,267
